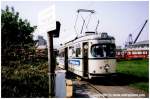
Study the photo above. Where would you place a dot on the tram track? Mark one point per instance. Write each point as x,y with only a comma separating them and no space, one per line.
93,90
98,90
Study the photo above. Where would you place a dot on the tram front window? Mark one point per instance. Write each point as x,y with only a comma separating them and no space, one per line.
103,50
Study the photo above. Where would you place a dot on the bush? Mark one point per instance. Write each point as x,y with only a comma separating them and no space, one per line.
25,81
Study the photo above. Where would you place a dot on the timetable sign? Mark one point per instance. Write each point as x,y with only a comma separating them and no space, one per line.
47,20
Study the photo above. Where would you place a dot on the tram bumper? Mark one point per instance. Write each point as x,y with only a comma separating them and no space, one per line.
102,67
108,75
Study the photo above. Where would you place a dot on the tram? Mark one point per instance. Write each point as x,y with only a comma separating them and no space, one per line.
88,56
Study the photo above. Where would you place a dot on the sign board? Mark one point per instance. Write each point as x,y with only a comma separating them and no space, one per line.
46,20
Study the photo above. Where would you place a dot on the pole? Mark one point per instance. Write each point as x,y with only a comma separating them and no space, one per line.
51,65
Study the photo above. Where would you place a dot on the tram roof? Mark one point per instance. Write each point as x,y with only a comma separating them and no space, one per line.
92,37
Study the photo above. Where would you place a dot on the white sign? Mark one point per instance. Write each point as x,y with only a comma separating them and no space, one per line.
46,20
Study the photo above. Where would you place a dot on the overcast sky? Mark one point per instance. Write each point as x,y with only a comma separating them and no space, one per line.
117,18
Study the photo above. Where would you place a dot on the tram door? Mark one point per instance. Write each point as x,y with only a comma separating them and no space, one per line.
85,59
66,59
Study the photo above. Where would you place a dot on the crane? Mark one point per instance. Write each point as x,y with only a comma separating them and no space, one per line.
130,40
140,32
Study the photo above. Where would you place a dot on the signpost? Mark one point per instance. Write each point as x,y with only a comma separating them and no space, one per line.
48,24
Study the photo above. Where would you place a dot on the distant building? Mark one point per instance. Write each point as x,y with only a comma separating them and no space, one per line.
118,47
142,45
41,51
41,43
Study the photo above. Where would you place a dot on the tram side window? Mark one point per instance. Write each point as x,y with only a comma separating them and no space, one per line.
143,52
72,52
134,52
61,54
111,49
78,52
129,53
139,52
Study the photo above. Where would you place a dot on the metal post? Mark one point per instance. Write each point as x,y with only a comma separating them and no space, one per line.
51,65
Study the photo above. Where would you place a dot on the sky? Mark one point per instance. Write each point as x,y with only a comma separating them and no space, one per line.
117,18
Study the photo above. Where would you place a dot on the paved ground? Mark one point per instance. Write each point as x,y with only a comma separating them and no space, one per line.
83,90
111,87
108,88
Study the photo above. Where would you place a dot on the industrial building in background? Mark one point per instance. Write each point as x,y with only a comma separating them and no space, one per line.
134,49
41,43
41,47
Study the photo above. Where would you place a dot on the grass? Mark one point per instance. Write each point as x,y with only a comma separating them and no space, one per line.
137,70
25,80
141,85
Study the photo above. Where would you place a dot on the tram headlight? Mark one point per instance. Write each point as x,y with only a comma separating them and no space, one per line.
106,67
100,67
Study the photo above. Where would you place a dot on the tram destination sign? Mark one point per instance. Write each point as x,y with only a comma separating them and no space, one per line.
47,20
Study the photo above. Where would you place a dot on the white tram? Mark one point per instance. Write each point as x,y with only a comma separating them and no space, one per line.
89,56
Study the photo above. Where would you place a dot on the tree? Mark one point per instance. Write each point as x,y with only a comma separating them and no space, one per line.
16,35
